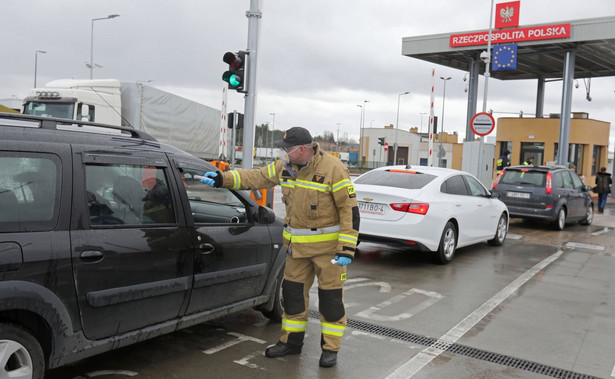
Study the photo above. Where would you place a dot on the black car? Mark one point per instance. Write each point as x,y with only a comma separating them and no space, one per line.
107,239
554,194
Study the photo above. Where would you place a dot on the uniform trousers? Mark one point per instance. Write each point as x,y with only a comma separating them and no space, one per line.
299,276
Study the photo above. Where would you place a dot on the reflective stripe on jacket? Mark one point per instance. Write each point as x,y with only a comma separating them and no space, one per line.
321,208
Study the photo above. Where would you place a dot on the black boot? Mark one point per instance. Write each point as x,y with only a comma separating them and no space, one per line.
281,349
328,358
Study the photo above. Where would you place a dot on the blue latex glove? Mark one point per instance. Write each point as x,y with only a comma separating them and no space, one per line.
208,178
343,261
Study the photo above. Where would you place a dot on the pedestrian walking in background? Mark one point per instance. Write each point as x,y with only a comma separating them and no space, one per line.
603,188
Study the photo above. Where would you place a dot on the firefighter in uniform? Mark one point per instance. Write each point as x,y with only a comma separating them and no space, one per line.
320,233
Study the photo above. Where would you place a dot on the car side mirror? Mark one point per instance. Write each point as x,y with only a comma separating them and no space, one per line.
85,112
265,215
587,188
495,195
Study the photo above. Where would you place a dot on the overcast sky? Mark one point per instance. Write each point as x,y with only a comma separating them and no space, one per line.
317,60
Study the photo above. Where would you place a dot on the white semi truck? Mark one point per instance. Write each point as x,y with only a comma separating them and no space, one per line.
179,122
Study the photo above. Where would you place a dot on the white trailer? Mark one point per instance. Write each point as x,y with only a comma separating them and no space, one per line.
169,118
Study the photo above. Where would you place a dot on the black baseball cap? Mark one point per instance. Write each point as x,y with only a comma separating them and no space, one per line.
295,136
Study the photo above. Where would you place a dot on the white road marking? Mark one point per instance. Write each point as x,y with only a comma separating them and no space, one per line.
240,338
514,236
384,286
416,363
352,280
245,361
613,372
433,297
599,232
585,246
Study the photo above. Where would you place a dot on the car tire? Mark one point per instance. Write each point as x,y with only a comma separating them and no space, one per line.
560,220
500,232
589,215
21,353
448,243
275,314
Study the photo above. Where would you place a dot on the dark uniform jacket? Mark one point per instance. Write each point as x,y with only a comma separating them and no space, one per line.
322,216
502,163
603,182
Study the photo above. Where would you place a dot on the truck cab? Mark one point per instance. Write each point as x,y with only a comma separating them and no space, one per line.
83,100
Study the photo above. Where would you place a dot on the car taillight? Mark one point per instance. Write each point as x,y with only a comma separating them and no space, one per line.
548,188
418,208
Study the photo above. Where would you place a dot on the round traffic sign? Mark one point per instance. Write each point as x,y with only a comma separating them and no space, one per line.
482,123
386,146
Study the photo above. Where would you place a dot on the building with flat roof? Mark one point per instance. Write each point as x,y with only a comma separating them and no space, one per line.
538,138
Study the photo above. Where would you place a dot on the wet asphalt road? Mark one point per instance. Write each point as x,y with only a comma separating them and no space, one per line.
542,305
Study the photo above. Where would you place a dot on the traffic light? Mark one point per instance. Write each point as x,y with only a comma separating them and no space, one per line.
236,74
381,141
231,121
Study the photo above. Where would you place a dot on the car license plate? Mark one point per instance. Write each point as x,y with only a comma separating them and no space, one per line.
372,208
518,195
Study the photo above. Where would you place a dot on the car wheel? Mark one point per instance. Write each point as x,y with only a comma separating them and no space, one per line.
589,215
560,220
448,242
500,232
20,353
275,314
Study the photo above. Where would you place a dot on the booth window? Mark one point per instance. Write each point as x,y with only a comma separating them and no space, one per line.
575,156
596,159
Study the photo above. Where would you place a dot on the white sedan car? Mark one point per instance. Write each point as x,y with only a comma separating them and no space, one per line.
428,208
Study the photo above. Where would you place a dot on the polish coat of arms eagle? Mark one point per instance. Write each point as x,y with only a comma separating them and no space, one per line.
507,14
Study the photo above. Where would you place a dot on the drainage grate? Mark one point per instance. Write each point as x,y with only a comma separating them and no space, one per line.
467,351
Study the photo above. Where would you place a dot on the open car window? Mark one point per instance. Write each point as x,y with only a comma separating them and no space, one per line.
212,205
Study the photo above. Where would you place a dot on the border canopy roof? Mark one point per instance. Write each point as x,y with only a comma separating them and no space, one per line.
593,40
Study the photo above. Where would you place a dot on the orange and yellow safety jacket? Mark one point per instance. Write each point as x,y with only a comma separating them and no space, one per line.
321,207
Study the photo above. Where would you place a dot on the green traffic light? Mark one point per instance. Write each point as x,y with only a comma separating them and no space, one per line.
236,71
235,80
232,79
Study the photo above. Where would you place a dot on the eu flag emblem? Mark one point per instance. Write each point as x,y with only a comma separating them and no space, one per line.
505,57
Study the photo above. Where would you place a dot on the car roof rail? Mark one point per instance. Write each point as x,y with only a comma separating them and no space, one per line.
54,123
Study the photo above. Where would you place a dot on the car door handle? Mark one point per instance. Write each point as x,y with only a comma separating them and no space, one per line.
206,248
458,204
92,256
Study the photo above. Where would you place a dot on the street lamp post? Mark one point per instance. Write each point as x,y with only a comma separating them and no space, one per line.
397,127
363,123
272,132
36,63
442,121
92,42
360,136
338,136
422,114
